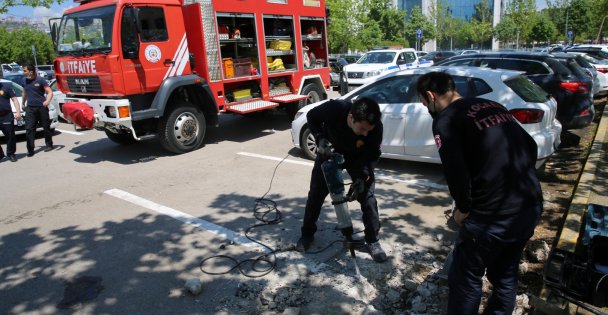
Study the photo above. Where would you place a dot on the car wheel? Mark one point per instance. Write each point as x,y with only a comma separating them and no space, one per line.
314,93
308,144
183,128
122,138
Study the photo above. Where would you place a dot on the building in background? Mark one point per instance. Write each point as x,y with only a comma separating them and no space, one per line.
460,9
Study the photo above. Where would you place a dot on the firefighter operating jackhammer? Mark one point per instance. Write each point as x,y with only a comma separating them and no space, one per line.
348,137
335,184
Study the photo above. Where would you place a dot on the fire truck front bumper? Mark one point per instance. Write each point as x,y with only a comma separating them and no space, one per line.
114,115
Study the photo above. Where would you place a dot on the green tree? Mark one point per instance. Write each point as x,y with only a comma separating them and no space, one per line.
523,13
544,30
22,54
343,27
506,30
5,4
481,23
599,11
579,18
463,34
390,20
415,21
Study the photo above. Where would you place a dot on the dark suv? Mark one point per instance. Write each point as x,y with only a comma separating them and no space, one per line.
560,76
596,52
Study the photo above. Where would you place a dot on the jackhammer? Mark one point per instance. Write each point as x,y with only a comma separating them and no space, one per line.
335,184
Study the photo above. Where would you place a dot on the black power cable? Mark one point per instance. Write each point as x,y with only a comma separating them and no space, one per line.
266,211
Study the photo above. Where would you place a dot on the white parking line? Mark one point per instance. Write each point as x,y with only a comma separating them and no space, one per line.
380,174
71,132
186,218
273,158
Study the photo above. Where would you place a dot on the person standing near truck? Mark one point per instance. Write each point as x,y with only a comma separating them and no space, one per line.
7,125
38,95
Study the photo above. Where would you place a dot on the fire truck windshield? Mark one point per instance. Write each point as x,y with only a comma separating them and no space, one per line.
86,32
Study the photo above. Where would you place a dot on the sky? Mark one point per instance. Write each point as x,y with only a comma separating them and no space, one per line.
56,10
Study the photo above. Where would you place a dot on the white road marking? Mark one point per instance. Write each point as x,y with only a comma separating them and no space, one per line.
273,158
71,132
186,218
379,173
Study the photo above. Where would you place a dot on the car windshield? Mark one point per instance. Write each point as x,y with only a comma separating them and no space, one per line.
86,32
527,90
377,57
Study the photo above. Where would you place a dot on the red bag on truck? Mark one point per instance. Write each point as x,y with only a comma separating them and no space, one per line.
79,113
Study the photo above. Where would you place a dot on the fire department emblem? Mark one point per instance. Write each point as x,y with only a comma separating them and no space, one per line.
153,53
438,142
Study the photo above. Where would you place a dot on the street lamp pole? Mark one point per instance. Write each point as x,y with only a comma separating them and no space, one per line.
566,30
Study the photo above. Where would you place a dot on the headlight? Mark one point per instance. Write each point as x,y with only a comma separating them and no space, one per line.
298,114
372,73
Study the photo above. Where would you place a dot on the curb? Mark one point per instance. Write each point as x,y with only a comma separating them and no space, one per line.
580,200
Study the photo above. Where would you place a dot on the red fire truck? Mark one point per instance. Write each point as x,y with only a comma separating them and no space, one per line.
167,68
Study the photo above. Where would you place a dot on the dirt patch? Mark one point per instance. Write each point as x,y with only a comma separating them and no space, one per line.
559,177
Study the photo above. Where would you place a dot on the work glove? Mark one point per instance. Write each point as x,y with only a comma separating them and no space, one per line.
324,147
356,189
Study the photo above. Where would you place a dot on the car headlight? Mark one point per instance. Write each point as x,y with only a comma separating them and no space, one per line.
298,114
372,73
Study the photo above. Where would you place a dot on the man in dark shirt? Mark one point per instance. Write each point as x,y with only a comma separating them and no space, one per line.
7,125
37,108
488,161
355,131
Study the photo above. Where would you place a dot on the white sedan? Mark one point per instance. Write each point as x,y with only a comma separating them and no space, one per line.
408,125
53,111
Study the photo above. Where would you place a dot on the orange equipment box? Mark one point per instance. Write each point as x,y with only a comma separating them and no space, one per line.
228,68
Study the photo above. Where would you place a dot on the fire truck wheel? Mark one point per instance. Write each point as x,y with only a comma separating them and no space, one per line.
183,129
314,93
308,144
120,138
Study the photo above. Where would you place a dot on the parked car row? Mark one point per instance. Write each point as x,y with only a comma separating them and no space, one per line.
407,123
560,75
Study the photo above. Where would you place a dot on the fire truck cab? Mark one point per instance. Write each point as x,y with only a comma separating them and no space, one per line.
167,68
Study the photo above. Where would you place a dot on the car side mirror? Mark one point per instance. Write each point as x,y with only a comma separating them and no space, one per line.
401,62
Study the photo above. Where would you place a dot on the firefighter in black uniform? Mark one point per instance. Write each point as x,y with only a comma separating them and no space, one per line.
38,95
6,119
489,164
355,131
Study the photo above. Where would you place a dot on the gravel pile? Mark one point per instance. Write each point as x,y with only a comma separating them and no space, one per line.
409,283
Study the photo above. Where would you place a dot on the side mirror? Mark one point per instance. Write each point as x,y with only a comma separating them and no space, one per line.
53,28
401,62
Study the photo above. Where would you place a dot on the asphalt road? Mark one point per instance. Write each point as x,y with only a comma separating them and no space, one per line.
139,220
